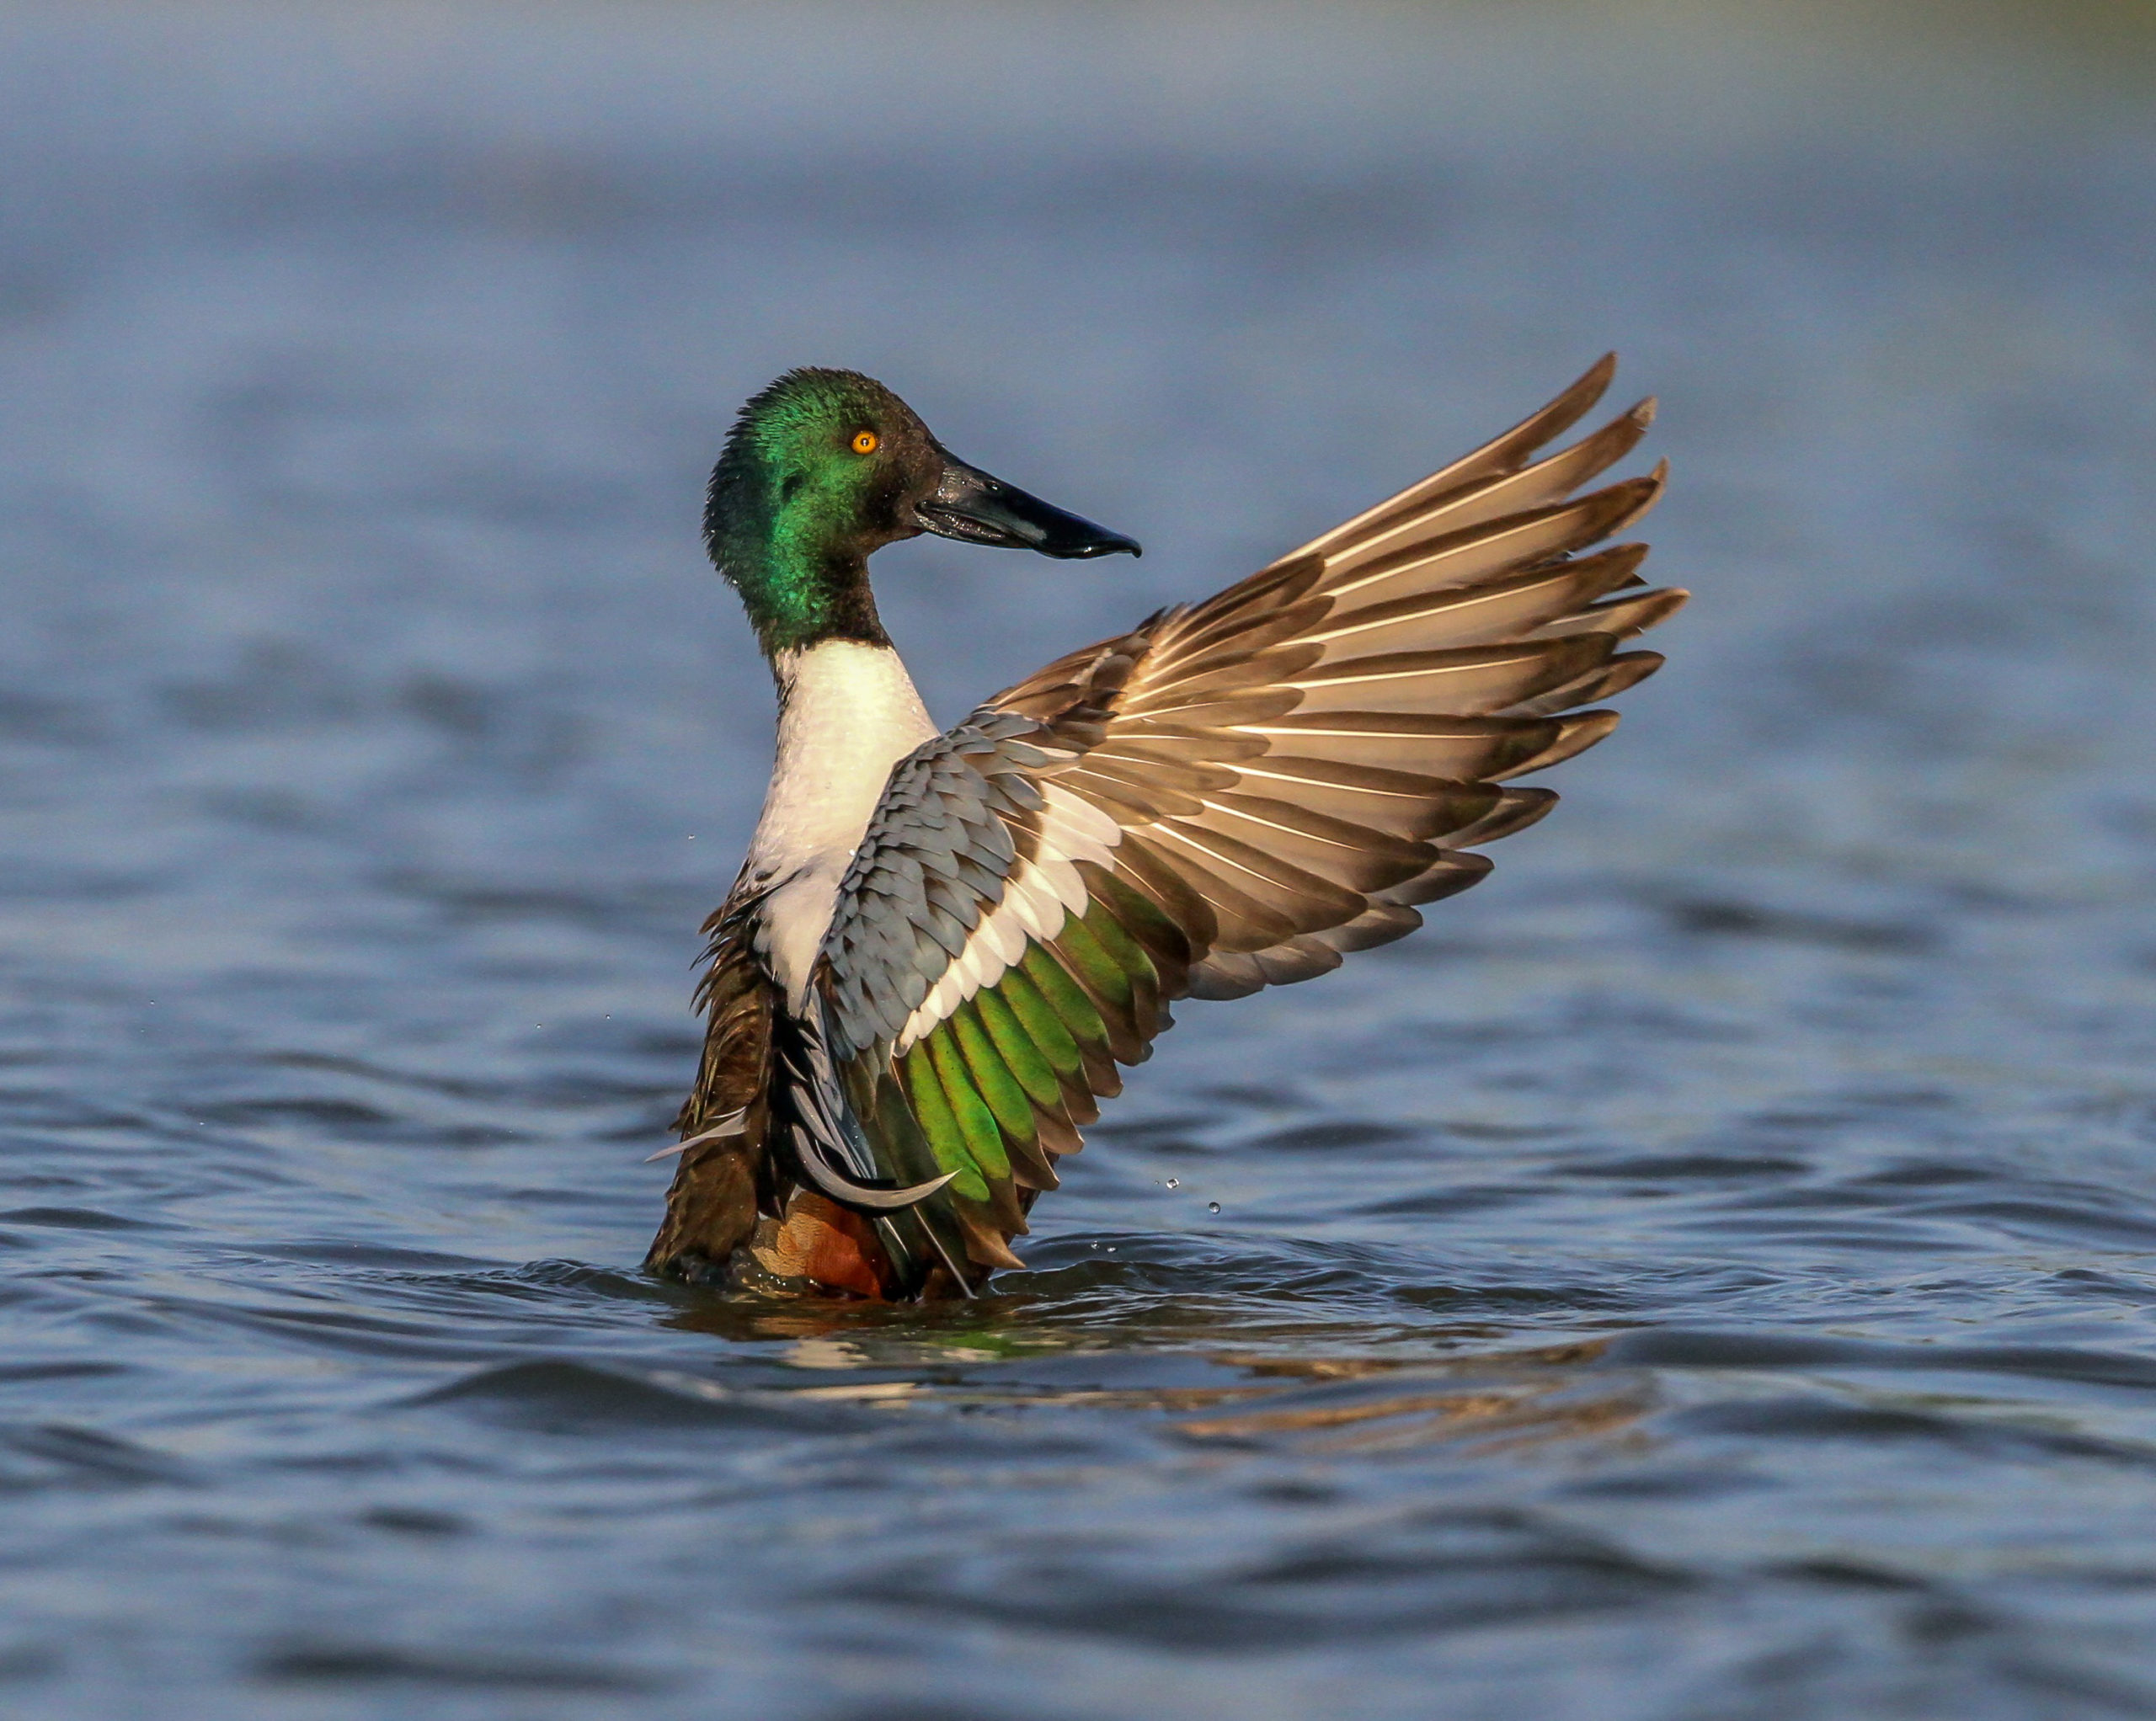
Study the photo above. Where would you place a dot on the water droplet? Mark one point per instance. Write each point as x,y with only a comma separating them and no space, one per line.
1173,1184
1212,1207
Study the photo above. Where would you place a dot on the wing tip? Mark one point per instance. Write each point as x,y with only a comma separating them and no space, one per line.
1573,403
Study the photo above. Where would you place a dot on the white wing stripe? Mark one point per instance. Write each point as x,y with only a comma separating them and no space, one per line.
1076,827
1002,932
968,967
1037,897
1059,883
1051,901
1038,915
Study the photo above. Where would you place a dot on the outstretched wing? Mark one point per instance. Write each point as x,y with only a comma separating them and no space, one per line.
1231,795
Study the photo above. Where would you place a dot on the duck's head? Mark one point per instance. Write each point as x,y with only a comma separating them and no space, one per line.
823,468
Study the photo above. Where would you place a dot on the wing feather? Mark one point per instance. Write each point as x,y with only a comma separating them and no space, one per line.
1231,796
1500,455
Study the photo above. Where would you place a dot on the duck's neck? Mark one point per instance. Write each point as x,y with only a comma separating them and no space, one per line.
797,558
848,712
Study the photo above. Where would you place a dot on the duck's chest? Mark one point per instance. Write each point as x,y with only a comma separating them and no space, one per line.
847,713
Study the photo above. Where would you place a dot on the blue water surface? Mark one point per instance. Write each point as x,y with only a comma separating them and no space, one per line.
1706,1276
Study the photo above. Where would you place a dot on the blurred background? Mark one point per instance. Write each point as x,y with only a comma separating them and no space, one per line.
1707,1274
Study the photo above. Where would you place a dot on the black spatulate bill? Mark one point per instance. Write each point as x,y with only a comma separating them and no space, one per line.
976,508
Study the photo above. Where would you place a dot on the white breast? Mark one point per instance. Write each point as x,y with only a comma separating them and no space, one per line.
847,713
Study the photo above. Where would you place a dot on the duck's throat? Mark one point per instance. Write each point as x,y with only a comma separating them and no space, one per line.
799,591
847,713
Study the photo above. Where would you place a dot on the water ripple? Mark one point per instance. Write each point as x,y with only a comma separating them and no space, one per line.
1710,1273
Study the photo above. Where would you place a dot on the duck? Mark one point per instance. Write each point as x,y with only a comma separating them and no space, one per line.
945,944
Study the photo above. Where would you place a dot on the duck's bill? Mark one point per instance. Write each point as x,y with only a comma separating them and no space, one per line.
975,508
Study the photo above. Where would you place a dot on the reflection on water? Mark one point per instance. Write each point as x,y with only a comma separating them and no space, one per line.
1490,1403
1353,1403
1709,1274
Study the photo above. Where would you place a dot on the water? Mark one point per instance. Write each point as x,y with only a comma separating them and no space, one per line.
1708,1274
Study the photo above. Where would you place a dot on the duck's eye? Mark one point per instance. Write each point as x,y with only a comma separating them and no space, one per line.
867,442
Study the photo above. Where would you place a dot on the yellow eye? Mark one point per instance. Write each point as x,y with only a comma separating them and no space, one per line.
867,442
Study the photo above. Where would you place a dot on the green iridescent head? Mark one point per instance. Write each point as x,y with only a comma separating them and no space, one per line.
823,468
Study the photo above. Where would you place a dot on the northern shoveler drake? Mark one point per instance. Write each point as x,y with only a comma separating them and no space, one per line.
943,944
